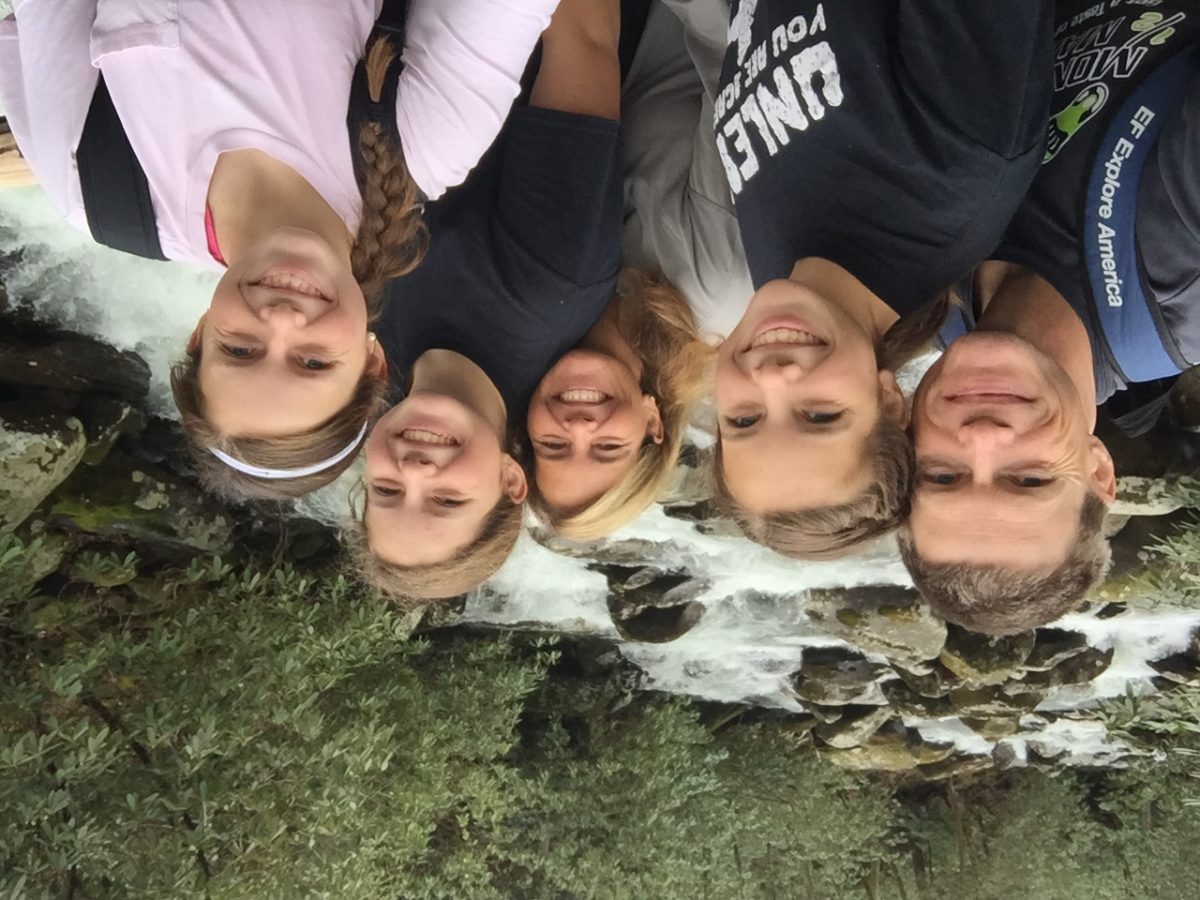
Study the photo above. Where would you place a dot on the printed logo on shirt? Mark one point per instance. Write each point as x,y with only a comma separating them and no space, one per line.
782,84
1098,54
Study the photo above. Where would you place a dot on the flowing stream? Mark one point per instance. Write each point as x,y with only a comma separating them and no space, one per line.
745,617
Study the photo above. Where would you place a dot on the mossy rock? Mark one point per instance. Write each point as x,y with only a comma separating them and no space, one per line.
124,497
980,660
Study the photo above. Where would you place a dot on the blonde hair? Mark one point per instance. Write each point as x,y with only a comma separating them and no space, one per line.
391,241
658,325
831,532
470,566
998,601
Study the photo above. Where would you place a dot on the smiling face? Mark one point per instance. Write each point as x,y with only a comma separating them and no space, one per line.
1005,457
587,422
435,470
284,341
798,393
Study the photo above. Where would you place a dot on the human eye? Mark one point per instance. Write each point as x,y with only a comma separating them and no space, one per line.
822,418
943,479
380,491
1031,481
609,447
552,445
742,422
313,364
449,502
237,351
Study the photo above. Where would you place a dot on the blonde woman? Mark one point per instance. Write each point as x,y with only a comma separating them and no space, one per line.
607,422
523,258
236,114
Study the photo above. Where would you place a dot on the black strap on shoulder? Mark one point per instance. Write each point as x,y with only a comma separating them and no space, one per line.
116,195
362,109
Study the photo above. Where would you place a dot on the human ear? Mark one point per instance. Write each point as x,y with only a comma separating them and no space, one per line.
891,399
654,422
1102,479
377,366
516,486
196,337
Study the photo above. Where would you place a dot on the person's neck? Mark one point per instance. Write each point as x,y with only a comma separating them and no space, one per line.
252,195
839,286
605,337
1018,301
453,375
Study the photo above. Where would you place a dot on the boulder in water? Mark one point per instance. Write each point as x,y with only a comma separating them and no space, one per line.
980,660
883,619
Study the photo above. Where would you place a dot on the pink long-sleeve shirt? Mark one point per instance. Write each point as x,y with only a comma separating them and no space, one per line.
192,79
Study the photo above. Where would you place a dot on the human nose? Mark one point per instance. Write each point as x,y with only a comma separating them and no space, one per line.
984,432
777,370
283,312
417,460
583,419
267,301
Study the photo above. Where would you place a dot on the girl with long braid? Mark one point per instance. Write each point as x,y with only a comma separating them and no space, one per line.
237,113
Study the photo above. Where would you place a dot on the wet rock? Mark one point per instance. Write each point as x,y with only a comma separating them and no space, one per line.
856,726
954,767
1178,668
655,624
981,660
994,728
1078,669
129,498
902,699
1005,756
993,702
707,517
891,749
835,676
1052,646
883,619
104,420
37,452
634,552
935,681
444,614
692,482
72,363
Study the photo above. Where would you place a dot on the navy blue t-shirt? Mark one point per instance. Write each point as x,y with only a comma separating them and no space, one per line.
894,138
1112,220
523,257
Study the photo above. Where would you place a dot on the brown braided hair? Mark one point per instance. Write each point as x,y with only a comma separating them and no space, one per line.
391,241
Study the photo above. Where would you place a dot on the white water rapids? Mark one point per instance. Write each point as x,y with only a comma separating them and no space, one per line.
753,634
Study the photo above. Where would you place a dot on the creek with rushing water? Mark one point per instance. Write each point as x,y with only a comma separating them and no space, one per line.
691,606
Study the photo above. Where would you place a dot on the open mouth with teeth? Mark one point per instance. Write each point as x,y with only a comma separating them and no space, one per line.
790,336
433,438
582,395
288,281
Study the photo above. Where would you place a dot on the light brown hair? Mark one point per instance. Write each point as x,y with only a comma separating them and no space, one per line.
830,532
470,566
390,242
658,325
998,601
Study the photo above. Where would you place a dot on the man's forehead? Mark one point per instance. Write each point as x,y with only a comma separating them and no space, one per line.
1010,531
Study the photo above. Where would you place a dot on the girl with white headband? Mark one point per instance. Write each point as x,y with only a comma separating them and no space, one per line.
237,113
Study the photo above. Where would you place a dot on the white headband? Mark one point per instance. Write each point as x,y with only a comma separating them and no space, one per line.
278,474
